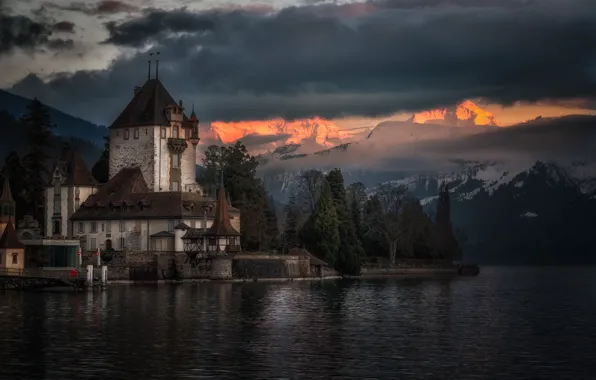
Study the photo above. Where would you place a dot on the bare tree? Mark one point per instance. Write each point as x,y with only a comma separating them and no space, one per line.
390,201
309,188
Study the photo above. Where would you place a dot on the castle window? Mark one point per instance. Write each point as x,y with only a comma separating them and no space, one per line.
15,258
163,133
109,226
103,227
56,227
126,134
56,186
122,244
146,132
187,133
93,227
81,227
175,186
136,134
93,244
121,226
57,206
175,160
175,132
171,226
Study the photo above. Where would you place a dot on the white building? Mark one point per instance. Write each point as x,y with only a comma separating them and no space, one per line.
152,187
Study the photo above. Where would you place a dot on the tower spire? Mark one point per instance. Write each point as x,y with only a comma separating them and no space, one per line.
157,66
6,193
149,71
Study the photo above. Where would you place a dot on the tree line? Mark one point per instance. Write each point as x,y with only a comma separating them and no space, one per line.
338,224
345,225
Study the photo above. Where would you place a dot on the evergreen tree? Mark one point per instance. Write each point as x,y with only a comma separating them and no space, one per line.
350,248
292,224
447,246
36,163
323,226
101,169
416,231
13,170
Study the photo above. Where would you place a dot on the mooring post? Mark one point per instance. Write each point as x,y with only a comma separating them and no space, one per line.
104,275
89,281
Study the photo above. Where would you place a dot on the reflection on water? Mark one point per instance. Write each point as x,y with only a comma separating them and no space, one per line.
508,323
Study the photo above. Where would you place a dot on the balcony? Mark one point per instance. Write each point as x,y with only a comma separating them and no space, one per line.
177,145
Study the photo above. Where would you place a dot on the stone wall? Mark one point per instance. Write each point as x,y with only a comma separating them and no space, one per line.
405,271
270,266
133,152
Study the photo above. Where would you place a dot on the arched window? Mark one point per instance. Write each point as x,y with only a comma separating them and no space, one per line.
175,133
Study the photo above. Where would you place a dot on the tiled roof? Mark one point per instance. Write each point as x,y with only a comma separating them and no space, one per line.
9,238
126,196
147,107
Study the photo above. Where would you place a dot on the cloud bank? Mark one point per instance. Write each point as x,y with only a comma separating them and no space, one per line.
405,147
371,58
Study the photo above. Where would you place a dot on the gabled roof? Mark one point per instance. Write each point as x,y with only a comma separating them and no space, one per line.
6,193
9,238
76,171
126,196
147,107
221,224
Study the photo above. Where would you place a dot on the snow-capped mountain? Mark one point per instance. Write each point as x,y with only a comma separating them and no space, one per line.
266,136
466,113
517,207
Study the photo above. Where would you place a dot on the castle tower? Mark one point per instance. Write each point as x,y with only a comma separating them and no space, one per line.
154,134
7,206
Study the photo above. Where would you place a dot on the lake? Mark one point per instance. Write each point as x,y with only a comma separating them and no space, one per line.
507,323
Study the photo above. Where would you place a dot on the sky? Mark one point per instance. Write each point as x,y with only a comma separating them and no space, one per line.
354,62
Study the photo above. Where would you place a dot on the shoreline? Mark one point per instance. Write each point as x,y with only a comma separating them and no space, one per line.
461,271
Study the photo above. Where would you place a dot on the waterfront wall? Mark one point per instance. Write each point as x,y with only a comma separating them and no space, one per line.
270,266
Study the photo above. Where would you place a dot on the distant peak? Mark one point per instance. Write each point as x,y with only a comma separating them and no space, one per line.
464,113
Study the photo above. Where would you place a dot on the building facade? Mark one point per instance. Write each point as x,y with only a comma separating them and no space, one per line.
152,188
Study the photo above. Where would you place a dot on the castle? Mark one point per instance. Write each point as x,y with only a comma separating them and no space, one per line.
152,198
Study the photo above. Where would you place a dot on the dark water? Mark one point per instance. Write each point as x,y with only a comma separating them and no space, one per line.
508,323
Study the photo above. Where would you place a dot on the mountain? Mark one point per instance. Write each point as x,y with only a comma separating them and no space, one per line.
66,125
515,209
466,113
312,134
86,137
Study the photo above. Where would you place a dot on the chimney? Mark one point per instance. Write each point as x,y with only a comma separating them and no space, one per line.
137,89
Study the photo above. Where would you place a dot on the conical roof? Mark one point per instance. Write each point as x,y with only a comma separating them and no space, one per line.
9,238
6,193
221,223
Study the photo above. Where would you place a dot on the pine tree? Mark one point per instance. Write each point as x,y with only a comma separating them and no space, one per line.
324,240
350,248
38,127
13,170
291,227
101,169
447,246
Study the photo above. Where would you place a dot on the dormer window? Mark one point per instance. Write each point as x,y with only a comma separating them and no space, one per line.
126,134
136,133
175,132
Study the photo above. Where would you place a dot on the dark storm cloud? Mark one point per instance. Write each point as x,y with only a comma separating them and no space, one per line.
105,7
18,31
154,25
64,26
367,59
